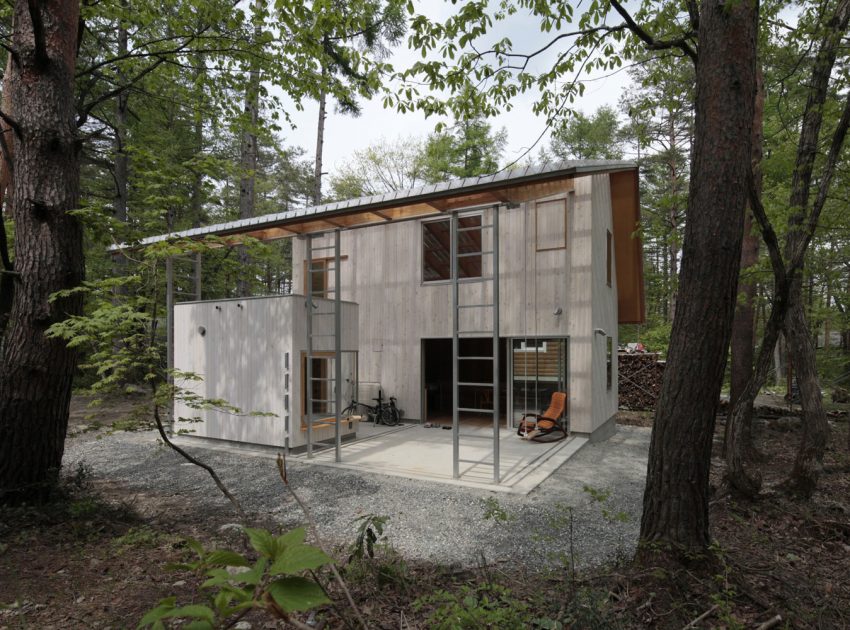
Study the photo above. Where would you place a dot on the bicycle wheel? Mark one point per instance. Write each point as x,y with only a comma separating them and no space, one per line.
389,416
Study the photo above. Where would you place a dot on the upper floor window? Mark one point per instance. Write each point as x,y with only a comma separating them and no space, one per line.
436,249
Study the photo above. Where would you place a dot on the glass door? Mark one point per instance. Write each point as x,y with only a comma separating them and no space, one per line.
539,367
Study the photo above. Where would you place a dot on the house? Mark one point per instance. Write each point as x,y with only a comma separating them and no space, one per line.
474,300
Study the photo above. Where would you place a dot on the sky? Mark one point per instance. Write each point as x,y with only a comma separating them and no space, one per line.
344,134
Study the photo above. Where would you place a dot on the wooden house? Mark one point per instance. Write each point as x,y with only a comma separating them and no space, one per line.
475,298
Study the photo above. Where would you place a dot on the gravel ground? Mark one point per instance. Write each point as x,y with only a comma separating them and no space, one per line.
428,521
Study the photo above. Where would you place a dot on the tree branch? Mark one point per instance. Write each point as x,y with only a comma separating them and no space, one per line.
84,115
38,33
649,40
11,122
14,53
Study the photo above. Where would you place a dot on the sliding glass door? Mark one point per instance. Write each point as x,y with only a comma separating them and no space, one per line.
538,368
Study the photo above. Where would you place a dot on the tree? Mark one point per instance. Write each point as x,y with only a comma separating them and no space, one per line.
382,167
803,215
36,372
466,149
383,25
594,137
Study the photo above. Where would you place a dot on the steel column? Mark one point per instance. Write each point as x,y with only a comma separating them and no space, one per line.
337,347
309,369
495,274
455,350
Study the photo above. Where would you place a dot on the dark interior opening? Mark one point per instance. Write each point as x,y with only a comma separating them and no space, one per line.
437,355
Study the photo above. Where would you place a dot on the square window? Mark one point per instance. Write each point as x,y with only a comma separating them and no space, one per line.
436,249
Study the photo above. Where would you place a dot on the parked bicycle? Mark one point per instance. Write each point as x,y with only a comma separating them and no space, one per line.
385,413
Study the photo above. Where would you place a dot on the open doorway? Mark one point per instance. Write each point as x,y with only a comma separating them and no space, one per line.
437,380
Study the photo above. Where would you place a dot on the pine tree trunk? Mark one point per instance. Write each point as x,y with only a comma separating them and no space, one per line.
248,163
320,146
743,326
675,506
36,372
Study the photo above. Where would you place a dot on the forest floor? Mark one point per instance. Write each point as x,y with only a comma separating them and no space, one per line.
98,557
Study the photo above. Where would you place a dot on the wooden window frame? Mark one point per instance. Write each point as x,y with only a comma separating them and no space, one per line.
465,215
537,247
325,261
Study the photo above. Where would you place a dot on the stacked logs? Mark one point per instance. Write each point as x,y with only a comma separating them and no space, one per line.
639,380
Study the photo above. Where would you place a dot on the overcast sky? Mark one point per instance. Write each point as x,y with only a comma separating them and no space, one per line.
344,134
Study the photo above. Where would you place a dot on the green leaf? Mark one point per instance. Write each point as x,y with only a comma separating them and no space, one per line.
297,593
254,576
193,611
295,537
295,559
154,616
262,541
227,558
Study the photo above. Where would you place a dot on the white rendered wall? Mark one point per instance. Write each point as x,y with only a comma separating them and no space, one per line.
242,359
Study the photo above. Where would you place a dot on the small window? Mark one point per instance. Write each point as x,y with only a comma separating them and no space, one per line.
316,278
610,366
320,387
436,249
608,257
550,219
531,345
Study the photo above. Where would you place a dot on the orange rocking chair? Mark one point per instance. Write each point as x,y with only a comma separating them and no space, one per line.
547,426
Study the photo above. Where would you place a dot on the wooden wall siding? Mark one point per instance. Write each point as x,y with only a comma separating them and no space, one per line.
241,360
550,218
626,211
383,274
604,304
580,312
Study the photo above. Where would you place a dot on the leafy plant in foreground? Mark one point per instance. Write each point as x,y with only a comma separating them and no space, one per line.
235,585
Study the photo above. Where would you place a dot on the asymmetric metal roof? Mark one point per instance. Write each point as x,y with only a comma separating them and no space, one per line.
509,186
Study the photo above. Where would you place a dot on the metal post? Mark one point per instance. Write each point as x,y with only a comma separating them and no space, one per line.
495,281
309,376
337,347
455,350
198,266
169,329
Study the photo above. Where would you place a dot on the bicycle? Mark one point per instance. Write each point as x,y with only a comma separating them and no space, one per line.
385,413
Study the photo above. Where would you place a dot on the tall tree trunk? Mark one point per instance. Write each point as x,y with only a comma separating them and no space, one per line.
7,280
809,461
320,146
743,326
675,505
248,161
36,372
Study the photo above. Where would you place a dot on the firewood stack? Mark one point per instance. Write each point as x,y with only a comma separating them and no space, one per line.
639,380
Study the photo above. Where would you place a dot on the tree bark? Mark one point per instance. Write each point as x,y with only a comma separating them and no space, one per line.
7,282
675,506
36,372
809,461
743,325
320,146
248,161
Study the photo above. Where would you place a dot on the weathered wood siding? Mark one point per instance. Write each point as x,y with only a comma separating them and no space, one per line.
249,355
383,274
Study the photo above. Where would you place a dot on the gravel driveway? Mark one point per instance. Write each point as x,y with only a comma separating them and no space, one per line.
428,521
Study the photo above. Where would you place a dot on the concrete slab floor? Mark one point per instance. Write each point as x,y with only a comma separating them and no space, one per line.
416,452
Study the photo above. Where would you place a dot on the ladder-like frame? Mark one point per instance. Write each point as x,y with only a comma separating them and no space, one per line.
458,334
336,313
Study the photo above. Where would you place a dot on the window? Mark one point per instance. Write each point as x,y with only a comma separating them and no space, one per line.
531,345
436,249
550,218
608,257
316,278
610,366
